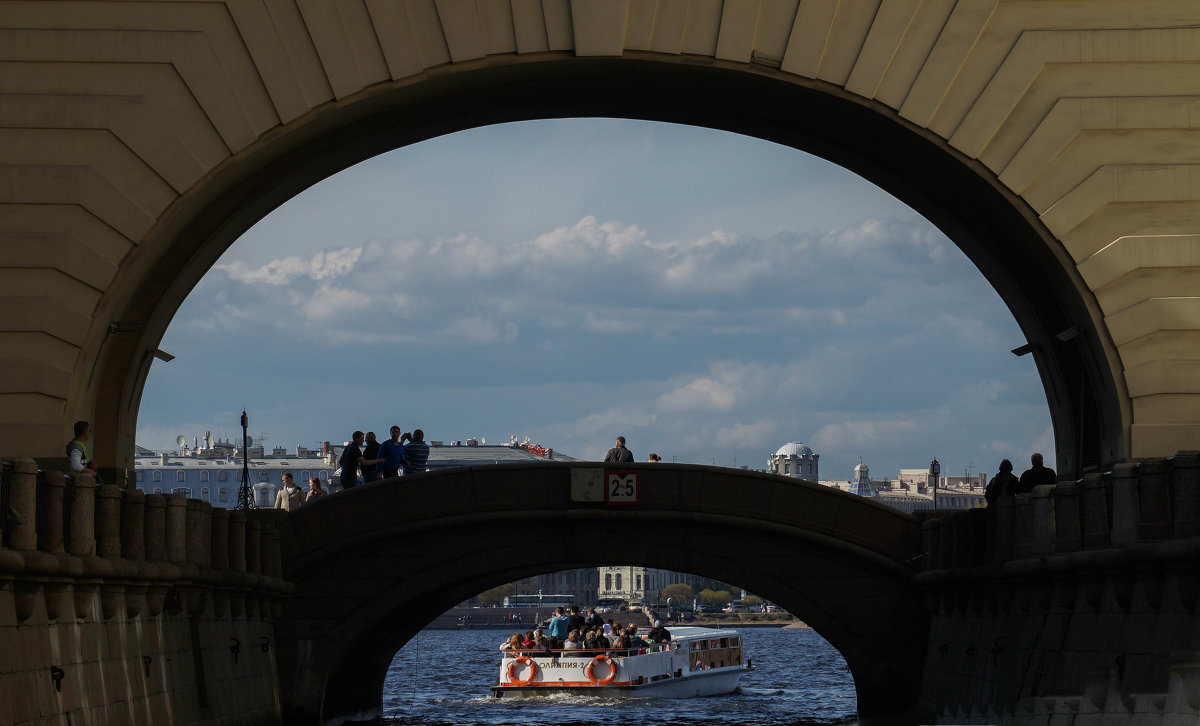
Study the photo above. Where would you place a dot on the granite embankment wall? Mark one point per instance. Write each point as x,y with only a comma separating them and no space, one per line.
1073,605
118,607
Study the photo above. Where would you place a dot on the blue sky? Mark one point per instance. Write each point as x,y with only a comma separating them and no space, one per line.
708,295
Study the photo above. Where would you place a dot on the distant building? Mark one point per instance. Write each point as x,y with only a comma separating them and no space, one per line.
911,492
211,470
861,483
795,459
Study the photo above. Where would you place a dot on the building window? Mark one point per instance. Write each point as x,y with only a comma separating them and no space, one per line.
223,494
221,476
264,476
323,474
181,476
639,582
204,476
204,494
618,581
158,490
304,476
181,490
141,475
608,581
158,476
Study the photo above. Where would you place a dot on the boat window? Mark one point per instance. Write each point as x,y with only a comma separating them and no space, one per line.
724,642
733,642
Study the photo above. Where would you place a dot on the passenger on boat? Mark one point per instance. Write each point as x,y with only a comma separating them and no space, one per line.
621,644
576,621
559,628
658,633
593,618
572,644
635,640
542,648
513,643
528,641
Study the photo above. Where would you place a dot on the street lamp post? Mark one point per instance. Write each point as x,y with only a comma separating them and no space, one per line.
935,471
245,499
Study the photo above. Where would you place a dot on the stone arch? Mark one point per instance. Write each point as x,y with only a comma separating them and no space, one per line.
1055,143
373,566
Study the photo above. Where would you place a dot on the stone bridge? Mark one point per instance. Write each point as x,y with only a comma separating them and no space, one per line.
372,566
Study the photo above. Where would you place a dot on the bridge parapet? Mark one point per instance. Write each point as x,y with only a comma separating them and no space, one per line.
1079,598
1135,503
183,588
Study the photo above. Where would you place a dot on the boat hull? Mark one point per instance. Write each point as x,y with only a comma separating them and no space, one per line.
707,683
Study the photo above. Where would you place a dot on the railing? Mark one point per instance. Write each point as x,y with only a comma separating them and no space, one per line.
588,652
1150,501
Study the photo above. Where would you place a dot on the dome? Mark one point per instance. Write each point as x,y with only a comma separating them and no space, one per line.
861,468
794,449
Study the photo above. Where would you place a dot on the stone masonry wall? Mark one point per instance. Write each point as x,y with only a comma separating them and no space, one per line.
1074,605
118,607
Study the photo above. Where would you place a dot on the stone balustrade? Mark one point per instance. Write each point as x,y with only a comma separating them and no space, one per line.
1136,503
161,542
169,597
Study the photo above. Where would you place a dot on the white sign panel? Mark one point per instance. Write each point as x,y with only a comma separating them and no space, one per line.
587,485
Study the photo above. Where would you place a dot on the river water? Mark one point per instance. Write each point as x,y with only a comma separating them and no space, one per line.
798,680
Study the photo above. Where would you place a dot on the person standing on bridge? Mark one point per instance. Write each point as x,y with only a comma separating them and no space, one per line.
1004,484
289,497
416,453
371,457
392,453
352,457
1036,475
619,454
77,452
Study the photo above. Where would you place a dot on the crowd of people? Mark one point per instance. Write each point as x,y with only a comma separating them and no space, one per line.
576,636
403,453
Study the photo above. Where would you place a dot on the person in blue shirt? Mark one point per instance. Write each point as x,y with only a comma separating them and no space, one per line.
416,453
392,453
559,628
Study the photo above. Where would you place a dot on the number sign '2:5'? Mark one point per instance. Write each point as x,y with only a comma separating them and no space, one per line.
622,487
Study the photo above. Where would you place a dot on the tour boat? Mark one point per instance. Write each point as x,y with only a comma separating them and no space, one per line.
695,662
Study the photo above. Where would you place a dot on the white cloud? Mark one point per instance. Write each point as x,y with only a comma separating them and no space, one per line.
320,266
863,435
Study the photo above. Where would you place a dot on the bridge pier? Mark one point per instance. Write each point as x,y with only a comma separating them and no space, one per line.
1090,615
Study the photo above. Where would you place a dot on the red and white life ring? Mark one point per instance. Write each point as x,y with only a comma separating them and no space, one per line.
512,671
612,670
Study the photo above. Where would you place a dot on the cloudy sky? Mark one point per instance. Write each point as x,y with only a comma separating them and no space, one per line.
707,295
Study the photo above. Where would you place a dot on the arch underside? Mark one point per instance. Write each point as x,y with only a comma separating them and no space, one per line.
360,598
990,224
1054,142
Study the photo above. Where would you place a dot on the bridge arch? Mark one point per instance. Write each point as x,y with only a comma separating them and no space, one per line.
374,565
1054,143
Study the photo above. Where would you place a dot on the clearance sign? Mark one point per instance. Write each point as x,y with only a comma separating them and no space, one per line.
622,487
604,486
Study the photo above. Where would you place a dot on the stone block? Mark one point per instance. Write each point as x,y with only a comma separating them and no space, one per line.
1125,517
1185,493
1154,501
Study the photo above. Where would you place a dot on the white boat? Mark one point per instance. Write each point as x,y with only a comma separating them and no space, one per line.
695,662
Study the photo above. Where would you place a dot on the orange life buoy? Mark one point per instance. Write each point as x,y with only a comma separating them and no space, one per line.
612,670
512,671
